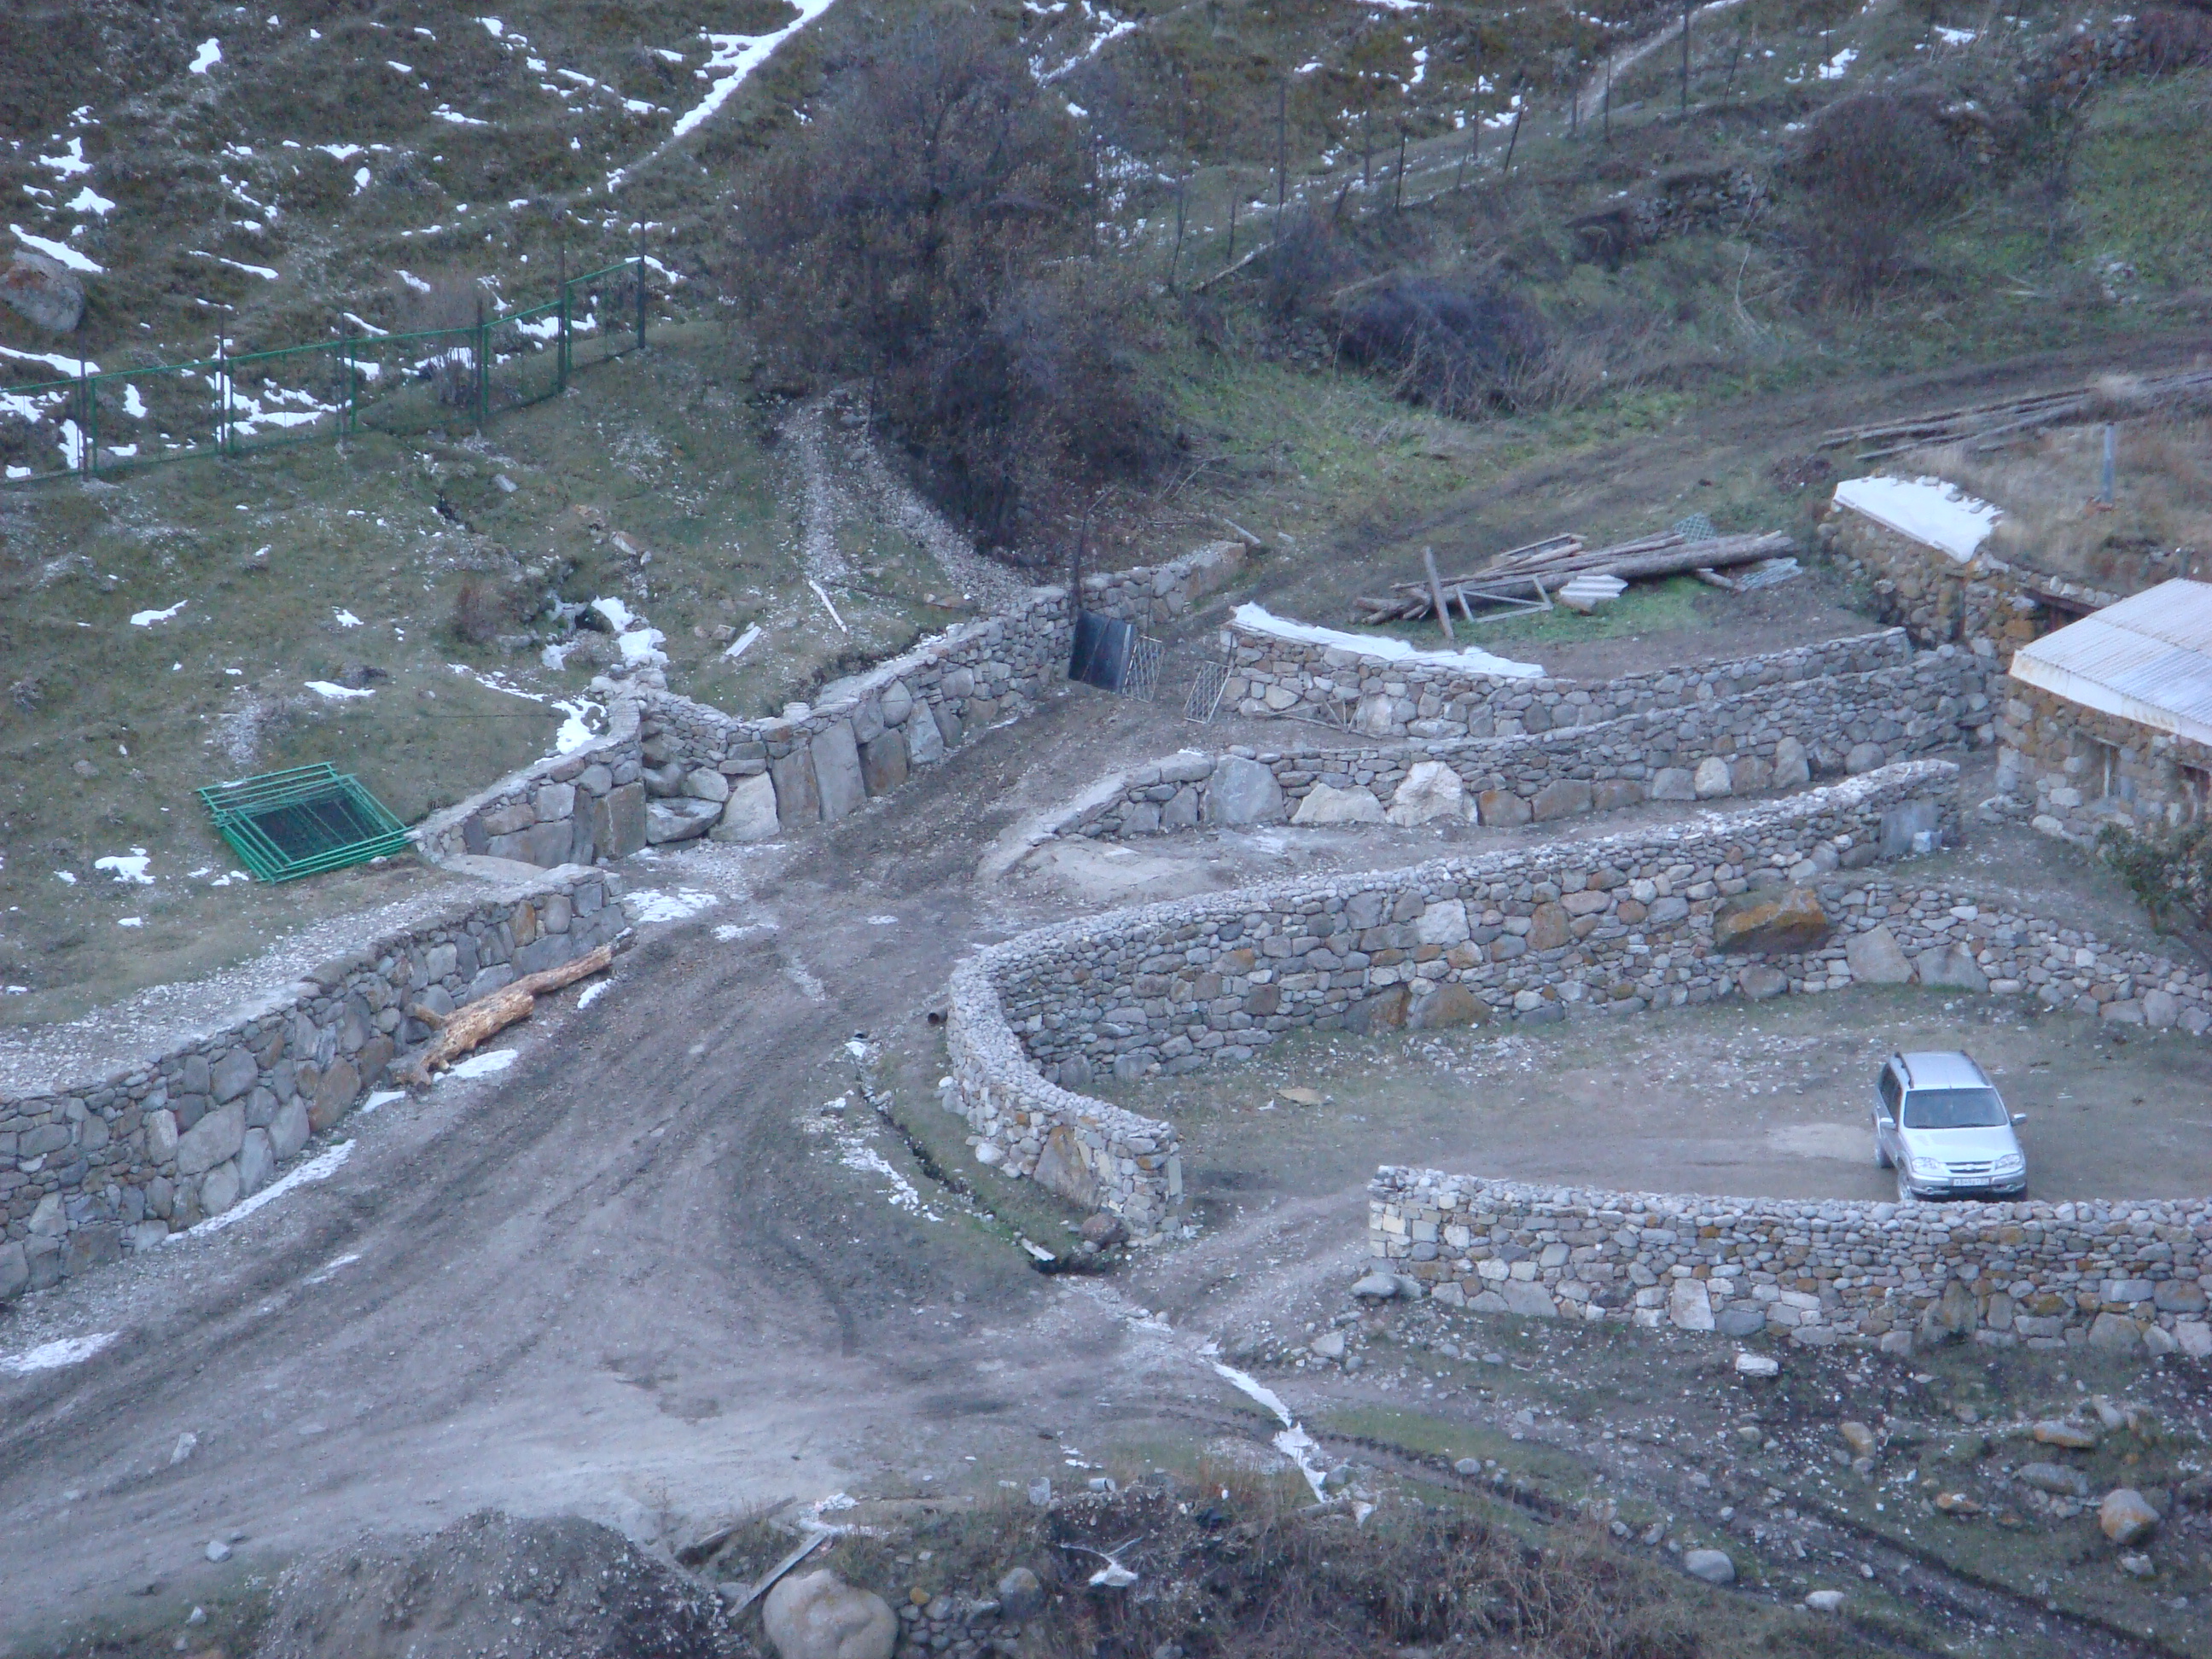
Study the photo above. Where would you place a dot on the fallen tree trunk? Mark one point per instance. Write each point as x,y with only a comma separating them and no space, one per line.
470,1023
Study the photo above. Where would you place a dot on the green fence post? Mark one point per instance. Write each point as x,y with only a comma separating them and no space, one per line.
91,463
641,296
223,391
483,369
346,430
561,352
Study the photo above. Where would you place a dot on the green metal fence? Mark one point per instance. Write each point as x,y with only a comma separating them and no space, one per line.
302,822
94,425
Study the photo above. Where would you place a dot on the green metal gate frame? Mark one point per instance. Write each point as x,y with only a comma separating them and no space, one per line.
323,814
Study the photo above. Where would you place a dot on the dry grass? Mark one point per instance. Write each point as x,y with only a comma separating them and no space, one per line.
2159,524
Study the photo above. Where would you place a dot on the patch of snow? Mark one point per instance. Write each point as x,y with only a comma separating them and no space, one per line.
210,54
616,613
1930,511
732,57
445,113
69,163
593,992
575,730
57,251
1956,36
65,878
362,177
340,152
642,645
262,272
320,1168
394,64
127,867
330,1269
131,921
1257,620
133,405
483,1065
53,1356
345,618
325,688
649,904
1293,1441
148,618
1834,68
53,360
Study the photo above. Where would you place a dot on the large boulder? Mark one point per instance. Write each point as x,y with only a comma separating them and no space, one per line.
1951,967
837,771
680,819
2126,1516
1242,791
1431,790
818,1615
493,1584
749,815
1325,803
1777,922
1875,957
41,291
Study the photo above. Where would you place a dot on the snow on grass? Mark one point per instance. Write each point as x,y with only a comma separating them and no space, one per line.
649,904
325,688
483,1065
343,617
1293,1441
321,1168
209,54
127,866
53,360
262,271
577,712
133,405
447,112
395,64
148,618
57,251
340,152
592,993
732,57
131,921
69,163
381,1098
53,1356
1956,36
362,177
1834,69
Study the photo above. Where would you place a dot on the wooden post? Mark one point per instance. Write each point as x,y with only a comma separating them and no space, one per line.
1366,148
1175,259
1398,182
1686,55
2111,462
1436,592
1234,194
1511,139
1282,146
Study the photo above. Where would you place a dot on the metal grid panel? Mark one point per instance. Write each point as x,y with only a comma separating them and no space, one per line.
283,825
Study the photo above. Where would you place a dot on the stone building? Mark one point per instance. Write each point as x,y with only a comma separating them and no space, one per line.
2109,720
1923,542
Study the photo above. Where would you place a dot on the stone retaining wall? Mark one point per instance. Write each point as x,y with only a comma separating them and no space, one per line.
1774,737
2082,768
88,1172
1982,603
671,769
1624,922
2123,1276
1379,698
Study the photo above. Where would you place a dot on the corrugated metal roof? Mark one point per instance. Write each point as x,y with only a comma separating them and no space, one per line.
2148,659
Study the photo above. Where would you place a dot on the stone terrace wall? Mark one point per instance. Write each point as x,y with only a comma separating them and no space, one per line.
1624,922
1290,678
2086,768
1773,737
121,1163
1982,602
2119,1276
671,769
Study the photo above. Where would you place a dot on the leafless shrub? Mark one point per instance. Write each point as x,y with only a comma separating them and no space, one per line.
28,693
478,611
1870,174
1457,343
929,232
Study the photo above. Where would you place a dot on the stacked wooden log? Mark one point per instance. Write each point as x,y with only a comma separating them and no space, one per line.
1525,577
1993,425
472,1023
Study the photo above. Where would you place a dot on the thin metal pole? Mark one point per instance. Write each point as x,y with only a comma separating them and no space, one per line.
222,384
640,284
1511,139
1175,259
2111,462
483,367
352,408
1282,143
91,462
1685,56
1398,179
1608,98
1232,258
562,355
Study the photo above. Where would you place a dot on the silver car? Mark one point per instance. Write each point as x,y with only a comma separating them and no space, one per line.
1942,1125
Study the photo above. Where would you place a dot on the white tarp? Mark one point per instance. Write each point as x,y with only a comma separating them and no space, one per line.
1254,619
1931,511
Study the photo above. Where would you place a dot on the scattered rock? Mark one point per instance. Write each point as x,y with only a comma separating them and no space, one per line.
1329,1344
2126,1516
2138,1566
1304,1097
1714,1566
1378,1287
1951,967
1859,1437
2053,1477
1739,1319
1777,923
217,1550
1021,1596
41,291
1958,1503
493,1584
679,818
1760,982
1825,1601
1951,1315
818,1615
1863,757
1757,1365
1242,791
1103,1231
1711,779
2071,1437
1468,1465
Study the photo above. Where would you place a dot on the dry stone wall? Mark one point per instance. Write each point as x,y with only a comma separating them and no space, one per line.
2074,769
88,1172
1984,602
1776,736
2126,1276
672,770
1624,923
1378,698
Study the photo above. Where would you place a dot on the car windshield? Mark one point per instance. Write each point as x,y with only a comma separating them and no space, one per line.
1954,1108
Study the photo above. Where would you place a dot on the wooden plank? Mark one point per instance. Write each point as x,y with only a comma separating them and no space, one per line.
1436,592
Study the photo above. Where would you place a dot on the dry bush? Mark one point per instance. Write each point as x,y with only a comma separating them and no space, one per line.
2160,524
1870,173
928,233
478,611
1458,344
2172,39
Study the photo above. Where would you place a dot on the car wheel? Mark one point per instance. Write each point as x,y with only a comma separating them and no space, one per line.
1904,1194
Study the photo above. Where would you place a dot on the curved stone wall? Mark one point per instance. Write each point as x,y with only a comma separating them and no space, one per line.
1624,923
2125,1277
